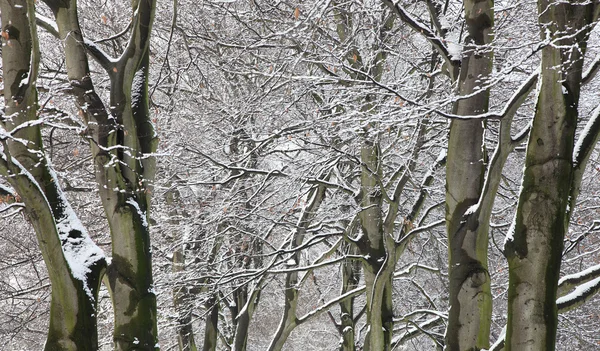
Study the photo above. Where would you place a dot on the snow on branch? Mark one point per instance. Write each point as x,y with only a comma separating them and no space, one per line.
104,59
511,106
416,330
325,307
80,252
437,42
587,139
569,281
577,297
591,71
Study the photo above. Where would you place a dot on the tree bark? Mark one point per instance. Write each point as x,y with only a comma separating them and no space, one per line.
534,247
211,328
122,145
75,264
470,298
289,319
350,281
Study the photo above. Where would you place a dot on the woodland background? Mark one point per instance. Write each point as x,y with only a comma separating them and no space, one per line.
306,183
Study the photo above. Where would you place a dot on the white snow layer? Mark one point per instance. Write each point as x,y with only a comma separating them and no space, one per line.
579,275
81,252
141,213
579,291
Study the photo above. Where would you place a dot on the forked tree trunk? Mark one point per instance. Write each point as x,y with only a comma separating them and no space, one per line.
289,319
380,258
122,146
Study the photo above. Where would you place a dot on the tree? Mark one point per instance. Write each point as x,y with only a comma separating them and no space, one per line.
535,243
75,264
122,143
299,200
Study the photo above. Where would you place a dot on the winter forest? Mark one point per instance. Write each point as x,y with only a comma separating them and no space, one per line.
353,175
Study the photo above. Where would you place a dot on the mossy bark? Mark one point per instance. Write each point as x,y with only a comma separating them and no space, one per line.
124,178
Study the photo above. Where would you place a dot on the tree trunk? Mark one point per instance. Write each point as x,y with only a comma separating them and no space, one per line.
470,298
380,260
350,281
211,330
534,247
289,320
182,299
124,178
75,264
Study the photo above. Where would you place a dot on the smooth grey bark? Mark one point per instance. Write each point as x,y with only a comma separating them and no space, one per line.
470,298
74,295
534,248
379,249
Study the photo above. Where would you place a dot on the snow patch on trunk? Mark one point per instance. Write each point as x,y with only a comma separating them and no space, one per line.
80,252
141,213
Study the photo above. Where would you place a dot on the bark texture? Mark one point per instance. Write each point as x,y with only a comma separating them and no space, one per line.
534,248
470,298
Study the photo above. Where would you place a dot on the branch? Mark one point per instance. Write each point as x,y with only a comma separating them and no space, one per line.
567,282
105,60
416,331
436,41
330,303
511,106
590,73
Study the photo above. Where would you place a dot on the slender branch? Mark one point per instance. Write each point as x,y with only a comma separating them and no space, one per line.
436,41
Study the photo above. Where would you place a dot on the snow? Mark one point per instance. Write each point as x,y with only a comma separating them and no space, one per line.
47,21
7,189
579,275
510,234
472,209
441,156
586,131
24,81
141,213
96,48
291,262
455,51
579,291
80,252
